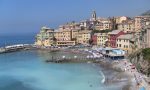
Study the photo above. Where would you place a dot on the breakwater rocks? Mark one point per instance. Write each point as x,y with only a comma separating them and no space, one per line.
72,60
14,48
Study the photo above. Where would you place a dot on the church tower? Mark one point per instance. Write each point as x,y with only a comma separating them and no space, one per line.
94,15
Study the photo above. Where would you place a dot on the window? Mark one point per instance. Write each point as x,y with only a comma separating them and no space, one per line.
119,45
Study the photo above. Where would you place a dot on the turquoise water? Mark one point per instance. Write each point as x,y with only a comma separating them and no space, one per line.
26,70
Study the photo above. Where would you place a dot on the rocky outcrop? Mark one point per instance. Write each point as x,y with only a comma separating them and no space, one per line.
140,62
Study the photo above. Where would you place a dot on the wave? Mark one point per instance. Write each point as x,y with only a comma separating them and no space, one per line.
103,76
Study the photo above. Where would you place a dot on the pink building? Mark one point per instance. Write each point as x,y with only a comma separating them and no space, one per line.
113,37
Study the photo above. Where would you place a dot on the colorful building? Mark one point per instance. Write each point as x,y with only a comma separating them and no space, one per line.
102,38
146,37
123,42
127,26
112,41
45,37
83,37
120,19
103,24
94,39
140,22
63,35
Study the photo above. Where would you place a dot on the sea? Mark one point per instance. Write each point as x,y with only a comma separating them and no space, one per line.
27,70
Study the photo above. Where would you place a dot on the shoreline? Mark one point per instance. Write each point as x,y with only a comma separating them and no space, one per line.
117,67
122,75
117,75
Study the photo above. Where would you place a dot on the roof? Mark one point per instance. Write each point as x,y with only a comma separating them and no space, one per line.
100,34
126,36
115,32
85,31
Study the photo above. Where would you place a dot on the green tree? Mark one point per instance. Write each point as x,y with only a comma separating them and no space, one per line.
146,54
90,41
101,31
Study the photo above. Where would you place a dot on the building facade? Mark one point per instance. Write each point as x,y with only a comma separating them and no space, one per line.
146,37
94,39
84,37
120,19
140,22
63,35
123,42
127,26
112,41
45,37
103,24
101,39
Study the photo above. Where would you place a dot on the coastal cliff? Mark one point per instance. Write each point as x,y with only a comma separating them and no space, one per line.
141,59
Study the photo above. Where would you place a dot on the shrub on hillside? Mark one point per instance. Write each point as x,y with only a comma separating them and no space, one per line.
146,54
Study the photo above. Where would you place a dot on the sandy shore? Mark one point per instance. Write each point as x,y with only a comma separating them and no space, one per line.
138,80
119,72
114,75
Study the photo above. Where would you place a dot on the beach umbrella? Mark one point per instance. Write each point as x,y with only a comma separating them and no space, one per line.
63,57
88,56
75,56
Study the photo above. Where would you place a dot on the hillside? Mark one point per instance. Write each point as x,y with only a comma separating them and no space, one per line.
147,13
141,59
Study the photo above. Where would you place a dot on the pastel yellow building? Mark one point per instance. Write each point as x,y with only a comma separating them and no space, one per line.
84,37
120,19
45,37
63,35
123,42
103,24
74,34
101,38
127,26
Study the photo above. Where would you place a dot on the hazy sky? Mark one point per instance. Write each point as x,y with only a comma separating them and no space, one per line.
25,16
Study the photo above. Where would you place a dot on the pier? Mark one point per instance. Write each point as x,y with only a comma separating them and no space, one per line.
14,48
75,59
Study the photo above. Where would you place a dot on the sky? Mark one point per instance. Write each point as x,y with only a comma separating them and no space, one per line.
28,16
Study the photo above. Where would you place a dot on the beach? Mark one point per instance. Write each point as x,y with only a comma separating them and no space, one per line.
114,72
121,71
33,73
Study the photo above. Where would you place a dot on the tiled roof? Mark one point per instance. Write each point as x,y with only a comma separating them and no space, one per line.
127,36
115,32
